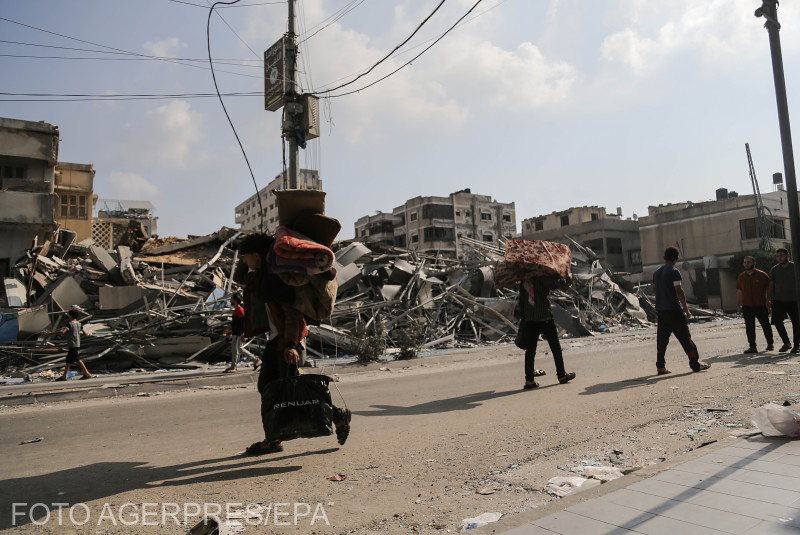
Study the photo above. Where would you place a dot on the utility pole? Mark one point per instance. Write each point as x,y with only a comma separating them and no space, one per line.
769,10
293,110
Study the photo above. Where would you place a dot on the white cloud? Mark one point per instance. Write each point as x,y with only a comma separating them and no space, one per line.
720,33
165,136
164,48
131,186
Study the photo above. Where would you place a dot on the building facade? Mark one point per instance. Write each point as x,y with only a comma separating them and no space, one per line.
75,198
28,156
434,224
708,234
248,215
614,239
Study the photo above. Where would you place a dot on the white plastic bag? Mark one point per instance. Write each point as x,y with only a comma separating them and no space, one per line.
777,421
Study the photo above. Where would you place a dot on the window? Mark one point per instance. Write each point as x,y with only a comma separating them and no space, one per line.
400,240
595,217
614,245
539,225
488,238
564,220
595,245
414,238
486,216
438,211
458,213
73,206
13,171
507,218
775,228
635,256
438,234
413,216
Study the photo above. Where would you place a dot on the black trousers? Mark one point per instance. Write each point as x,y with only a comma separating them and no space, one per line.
779,311
751,314
532,331
674,322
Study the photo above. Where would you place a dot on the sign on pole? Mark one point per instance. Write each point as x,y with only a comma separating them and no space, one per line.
275,78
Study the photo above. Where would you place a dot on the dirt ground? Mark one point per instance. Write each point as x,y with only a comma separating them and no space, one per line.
435,440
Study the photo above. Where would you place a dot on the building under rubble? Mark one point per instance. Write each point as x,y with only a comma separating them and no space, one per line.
613,239
28,156
434,225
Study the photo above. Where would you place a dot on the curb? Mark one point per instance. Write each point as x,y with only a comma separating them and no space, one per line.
126,389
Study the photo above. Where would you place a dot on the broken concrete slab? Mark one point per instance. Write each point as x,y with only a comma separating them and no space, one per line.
102,259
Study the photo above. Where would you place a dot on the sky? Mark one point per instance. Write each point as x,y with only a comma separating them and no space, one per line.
549,104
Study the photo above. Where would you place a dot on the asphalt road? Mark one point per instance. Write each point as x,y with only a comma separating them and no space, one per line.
434,441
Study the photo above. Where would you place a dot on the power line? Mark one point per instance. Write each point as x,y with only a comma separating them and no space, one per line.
216,88
121,59
409,61
234,32
261,60
54,97
225,7
406,40
334,18
118,49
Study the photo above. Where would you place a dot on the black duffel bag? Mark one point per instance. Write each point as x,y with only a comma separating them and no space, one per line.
297,406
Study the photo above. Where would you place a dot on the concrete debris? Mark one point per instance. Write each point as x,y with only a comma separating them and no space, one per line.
564,486
163,302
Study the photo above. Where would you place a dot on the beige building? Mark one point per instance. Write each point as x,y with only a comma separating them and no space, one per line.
247,214
28,156
434,224
708,234
75,198
614,239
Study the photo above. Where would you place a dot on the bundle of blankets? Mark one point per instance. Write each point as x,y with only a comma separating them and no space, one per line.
525,259
306,265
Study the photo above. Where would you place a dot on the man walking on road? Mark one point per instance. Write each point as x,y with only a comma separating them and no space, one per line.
782,299
751,291
672,314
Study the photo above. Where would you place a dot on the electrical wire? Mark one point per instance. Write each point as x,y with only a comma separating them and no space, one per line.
117,49
409,61
334,18
122,59
234,32
407,39
222,102
52,97
260,59
225,7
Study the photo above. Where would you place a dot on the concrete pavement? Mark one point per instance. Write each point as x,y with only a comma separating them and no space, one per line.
749,488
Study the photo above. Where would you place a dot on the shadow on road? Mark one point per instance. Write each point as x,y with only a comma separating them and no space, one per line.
460,403
625,384
101,480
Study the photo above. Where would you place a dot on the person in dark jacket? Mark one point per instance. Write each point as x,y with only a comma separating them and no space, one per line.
537,319
268,308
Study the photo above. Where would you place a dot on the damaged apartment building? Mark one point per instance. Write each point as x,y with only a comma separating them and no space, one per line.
28,156
436,225
613,239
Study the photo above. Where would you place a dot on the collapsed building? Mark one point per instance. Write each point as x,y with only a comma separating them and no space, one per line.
166,306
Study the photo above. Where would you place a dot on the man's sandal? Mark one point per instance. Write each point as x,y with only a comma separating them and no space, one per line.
564,379
530,386
343,429
258,448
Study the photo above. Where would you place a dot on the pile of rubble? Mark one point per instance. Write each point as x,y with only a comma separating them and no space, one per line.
167,304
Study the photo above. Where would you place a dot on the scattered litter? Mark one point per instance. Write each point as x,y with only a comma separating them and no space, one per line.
564,486
478,521
600,473
774,420
31,440
337,477
484,491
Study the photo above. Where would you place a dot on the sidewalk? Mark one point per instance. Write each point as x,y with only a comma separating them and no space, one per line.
749,488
